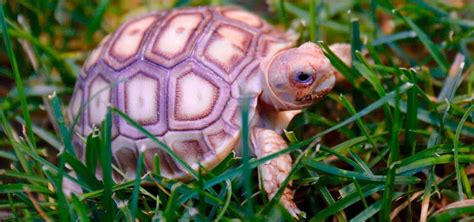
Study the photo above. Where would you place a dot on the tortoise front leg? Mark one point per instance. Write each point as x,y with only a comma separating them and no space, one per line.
275,171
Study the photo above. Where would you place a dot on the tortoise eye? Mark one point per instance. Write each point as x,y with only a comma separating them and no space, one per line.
304,78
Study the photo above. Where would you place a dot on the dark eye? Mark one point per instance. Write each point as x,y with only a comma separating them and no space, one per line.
304,78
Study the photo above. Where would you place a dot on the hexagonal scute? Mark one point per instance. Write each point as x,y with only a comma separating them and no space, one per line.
196,97
190,146
100,93
175,39
143,98
232,112
269,45
127,42
249,82
227,50
221,138
244,17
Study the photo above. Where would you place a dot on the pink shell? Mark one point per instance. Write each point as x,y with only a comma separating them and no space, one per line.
180,74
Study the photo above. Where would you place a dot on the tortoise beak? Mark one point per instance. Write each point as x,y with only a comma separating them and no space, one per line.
323,86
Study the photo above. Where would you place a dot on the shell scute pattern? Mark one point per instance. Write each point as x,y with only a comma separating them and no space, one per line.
244,18
177,74
196,97
227,49
127,44
141,90
177,36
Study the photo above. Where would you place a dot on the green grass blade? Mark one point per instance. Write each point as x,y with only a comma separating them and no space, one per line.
392,166
83,173
356,175
253,163
23,176
356,44
343,158
345,70
456,154
17,76
454,79
227,200
330,201
283,13
434,119
156,163
380,102
452,213
43,134
81,209
7,128
346,202
106,165
170,210
419,165
136,186
360,123
361,194
361,163
412,110
97,19
244,106
92,152
394,37
370,211
63,205
430,46
427,194
66,70
59,118
21,187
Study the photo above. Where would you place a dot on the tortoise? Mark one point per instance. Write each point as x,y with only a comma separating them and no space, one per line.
182,73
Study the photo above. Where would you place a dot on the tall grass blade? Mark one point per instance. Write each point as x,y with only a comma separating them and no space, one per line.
82,210
346,202
392,158
97,19
106,165
244,106
136,186
456,155
433,49
17,76
65,134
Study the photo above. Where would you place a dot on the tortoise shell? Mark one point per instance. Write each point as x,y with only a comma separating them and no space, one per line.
179,74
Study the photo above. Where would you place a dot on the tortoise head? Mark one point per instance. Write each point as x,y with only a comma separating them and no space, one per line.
297,77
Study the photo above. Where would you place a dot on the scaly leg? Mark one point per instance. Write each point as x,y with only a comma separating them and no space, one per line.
275,171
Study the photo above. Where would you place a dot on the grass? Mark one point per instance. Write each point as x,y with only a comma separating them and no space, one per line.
394,141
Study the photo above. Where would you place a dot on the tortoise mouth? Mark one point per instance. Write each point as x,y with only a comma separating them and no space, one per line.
322,87
325,84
